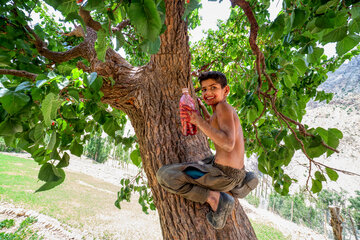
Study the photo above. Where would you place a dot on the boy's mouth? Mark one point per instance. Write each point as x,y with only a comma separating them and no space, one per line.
209,98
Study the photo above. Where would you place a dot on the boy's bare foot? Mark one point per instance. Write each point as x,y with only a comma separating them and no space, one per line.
218,218
213,200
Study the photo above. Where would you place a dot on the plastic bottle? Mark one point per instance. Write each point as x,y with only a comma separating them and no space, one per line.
187,100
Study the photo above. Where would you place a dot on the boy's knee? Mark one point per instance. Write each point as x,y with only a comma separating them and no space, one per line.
161,175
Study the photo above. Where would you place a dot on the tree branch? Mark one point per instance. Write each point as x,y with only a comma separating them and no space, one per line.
59,57
89,21
121,26
19,73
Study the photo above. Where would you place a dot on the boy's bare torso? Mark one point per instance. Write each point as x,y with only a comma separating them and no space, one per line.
234,158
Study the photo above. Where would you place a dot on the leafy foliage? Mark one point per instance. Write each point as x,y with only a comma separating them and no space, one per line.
134,185
296,65
23,232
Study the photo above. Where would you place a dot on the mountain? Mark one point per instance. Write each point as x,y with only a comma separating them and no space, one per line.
345,80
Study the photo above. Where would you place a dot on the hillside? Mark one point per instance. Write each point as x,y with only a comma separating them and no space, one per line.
343,112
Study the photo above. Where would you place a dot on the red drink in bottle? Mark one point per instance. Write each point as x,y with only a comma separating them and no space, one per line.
187,100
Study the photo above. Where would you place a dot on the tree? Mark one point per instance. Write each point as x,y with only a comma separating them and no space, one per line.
65,86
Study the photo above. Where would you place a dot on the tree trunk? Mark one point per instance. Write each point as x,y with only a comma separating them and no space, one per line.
336,222
154,114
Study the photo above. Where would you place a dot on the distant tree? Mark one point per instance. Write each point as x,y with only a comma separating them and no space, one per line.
355,208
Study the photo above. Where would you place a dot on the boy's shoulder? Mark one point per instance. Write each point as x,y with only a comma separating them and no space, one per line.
224,106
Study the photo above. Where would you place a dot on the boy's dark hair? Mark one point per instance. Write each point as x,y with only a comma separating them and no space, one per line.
219,77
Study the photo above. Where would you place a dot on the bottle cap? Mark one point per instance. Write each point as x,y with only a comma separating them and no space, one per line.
184,90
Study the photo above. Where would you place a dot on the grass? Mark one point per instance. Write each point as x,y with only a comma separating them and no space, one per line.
264,232
80,201
73,202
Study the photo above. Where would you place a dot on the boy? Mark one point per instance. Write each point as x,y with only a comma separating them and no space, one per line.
211,179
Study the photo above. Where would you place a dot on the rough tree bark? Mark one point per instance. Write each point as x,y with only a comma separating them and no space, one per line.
151,101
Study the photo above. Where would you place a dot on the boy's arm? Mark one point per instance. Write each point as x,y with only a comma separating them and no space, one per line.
224,137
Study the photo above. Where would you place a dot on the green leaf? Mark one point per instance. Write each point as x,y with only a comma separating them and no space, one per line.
94,5
101,44
94,81
111,126
64,6
49,173
64,162
76,148
151,47
50,185
52,141
251,115
300,66
316,186
336,132
23,86
335,35
12,101
39,83
120,40
135,157
10,127
355,11
290,141
145,18
325,21
348,43
277,27
49,108
74,93
354,26
298,18
333,175
315,56
319,176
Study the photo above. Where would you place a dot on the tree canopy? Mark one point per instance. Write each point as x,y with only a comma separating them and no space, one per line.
52,89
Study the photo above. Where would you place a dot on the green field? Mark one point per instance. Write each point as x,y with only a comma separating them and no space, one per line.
76,201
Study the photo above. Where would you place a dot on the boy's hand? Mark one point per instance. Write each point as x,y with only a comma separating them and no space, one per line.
205,112
189,115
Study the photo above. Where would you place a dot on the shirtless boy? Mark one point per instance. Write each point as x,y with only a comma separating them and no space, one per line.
211,179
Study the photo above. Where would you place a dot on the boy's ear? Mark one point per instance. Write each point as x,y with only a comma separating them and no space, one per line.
227,90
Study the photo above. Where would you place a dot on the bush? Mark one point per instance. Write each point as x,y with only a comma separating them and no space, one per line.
253,200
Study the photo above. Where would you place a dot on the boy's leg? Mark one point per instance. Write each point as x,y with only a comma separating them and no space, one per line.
174,179
250,182
217,218
189,181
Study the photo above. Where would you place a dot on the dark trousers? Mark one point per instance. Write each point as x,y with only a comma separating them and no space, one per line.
194,180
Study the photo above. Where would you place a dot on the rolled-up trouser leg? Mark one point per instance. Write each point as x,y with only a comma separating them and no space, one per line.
173,179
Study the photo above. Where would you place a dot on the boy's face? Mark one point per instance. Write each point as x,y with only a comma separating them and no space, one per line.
212,92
